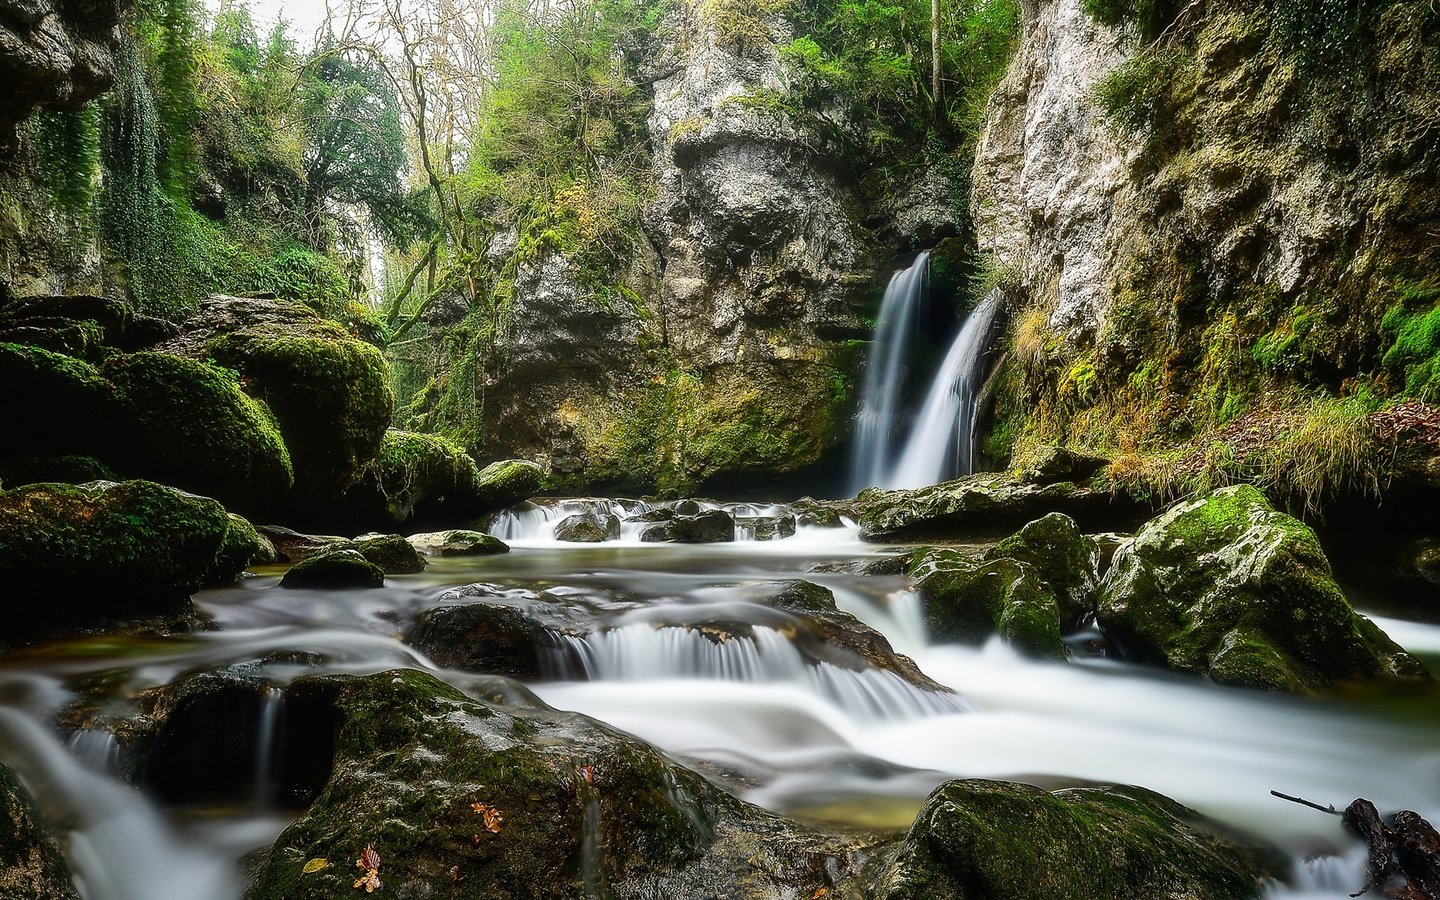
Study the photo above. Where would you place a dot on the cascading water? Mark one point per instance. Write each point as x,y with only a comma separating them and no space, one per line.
875,429
943,442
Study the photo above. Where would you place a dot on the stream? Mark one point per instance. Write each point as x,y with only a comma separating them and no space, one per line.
861,748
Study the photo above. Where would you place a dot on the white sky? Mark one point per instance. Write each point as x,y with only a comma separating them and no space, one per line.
304,16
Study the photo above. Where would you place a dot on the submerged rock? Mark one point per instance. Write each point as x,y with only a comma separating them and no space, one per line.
991,839
457,542
1066,559
31,864
334,569
588,528
1227,587
968,600
79,556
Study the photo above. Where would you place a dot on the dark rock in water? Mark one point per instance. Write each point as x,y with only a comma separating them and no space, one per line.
1050,465
710,527
968,601
242,548
991,839
660,533
768,528
508,482
1230,588
291,546
588,528
457,542
464,798
334,569
329,392
814,513
390,552
658,514
482,636
149,546
416,476
31,864
687,508
981,505
1066,559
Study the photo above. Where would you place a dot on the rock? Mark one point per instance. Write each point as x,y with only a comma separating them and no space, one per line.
64,469
980,505
686,508
1423,559
1051,464
508,482
188,424
457,542
588,528
38,383
661,533
1067,560
519,802
242,548
658,514
391,552
291,546
416,476
31,864
994,839
104,322
710,527
967,601
491,637
149,546
1227,587
767,528
334,569
54,54
817,516
330,393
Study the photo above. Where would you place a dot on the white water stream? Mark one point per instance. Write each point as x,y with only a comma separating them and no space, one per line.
862,747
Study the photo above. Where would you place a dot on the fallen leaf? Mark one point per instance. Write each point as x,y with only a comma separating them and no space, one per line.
588,773
369,859
820,892
454,873
315,865
491,815
370,881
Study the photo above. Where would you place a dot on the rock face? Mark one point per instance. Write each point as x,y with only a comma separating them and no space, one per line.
990,839
30,861
1227,587
56,54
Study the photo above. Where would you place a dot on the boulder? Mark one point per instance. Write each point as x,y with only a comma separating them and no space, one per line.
768,528
65,469
588,528
416,475
993,839
334,569
291,546
457,542
709,527
330,392
80,556
31,864
391,552
508,482
1227,587
242,548
1051,464
483,636
39,385
1065,558
81,325
967,601
983,505
659,533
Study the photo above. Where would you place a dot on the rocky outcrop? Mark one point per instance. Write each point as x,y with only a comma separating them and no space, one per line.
31,864
967,601
55,53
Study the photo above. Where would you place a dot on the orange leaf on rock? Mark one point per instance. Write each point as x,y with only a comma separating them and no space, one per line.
491,816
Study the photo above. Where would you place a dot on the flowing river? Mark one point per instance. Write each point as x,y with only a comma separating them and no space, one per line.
862,748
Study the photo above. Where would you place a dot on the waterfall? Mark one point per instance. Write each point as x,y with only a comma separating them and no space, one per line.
943,442
271,704
885,374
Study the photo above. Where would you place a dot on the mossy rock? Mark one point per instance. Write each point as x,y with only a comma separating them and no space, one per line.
991,840
190,425
1065,558
421,476
491,637
418,766
64,469
57,405
31,864
968,601
1228,587
457,542
390,552
508,482
714,526
334,569
79,556
329,391
242,548
588,528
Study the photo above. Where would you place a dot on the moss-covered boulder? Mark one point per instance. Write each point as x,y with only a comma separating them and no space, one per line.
496,638
415,476
53,404
80,324
468,799
390,552
78,556
242,548
70,469
1228,587
343,568
31,865
508,482
984,505
990,840
967,601
588,528
189,424
457,542
1065,558
329,392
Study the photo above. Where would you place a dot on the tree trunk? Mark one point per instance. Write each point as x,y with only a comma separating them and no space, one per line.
935,95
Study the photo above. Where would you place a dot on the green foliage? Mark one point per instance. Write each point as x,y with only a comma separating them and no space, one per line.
744,24
1149,17
1133,94
1413,323
65,156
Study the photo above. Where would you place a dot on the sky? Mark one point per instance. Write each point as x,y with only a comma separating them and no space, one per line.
304,16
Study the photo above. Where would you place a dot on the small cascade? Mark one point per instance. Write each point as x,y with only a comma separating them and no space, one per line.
272,703
646,653
95,748
875,428
944,441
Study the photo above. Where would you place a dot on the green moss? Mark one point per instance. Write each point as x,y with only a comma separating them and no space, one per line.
30,856
1135,95
1413,324
242,547
508,482
189,424
968,601
1066,559
66,469
331,569
60,404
